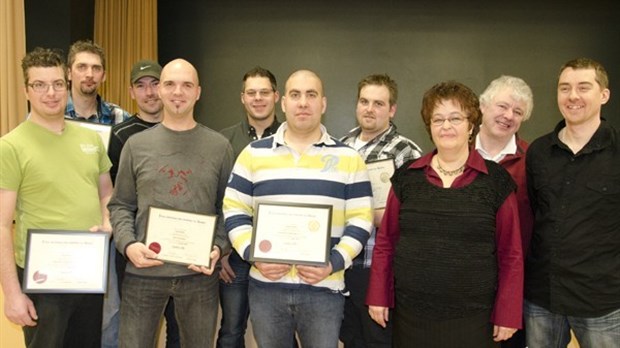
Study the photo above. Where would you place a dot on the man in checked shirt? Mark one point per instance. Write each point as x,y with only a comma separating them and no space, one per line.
376,138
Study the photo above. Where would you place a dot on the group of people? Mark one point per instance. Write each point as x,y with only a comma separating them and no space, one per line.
481,242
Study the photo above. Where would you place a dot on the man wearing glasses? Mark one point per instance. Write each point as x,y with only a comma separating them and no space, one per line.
59,174
259,95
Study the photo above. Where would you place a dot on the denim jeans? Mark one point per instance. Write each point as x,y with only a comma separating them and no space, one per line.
548,330
144,299
111,305
235,307
278,312
172,329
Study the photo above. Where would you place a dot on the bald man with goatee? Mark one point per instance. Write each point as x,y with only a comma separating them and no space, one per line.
180,166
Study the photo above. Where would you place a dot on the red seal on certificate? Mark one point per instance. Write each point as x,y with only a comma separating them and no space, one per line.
39,277
155,247
264,246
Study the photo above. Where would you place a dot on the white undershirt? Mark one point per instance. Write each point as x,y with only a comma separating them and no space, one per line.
509,149
358,144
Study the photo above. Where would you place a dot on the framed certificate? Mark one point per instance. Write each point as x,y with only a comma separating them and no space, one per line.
380,173
66,261
181,237
292,233
104,130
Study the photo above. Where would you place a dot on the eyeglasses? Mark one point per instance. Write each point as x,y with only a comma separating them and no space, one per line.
454,120
263,93
42,87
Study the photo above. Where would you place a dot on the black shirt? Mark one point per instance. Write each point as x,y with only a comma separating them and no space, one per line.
574,264
242,133
118,137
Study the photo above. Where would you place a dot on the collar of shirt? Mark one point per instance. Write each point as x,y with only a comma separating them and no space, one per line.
474,165
104,112
251,131
602,138
355,133
509,149
72,114
104,109
325,139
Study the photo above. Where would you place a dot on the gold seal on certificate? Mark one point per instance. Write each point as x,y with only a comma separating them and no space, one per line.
66,261
380,173
385,177
313,225
292,233
104,130
181,237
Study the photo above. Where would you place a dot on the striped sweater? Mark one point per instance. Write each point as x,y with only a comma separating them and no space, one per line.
329,173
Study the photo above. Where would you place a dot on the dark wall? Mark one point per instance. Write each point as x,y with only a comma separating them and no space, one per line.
58,23
418,43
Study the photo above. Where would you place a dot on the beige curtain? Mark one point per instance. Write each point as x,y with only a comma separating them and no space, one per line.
127,30
13,104
13,109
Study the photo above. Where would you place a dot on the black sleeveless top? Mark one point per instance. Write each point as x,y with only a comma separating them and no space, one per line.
445,263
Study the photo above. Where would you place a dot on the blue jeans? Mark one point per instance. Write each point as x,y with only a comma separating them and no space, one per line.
172,329
111,305
235,307
548,330
278,312
144,300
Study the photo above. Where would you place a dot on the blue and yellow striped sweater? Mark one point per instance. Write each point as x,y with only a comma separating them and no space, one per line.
328,173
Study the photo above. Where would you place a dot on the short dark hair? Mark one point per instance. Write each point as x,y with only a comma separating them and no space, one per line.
43,57
85,46
260,72
380,80
457,92
587,63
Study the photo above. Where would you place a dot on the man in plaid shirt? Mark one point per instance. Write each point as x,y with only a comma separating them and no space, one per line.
376,139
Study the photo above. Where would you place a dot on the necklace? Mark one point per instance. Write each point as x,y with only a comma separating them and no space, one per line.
450,172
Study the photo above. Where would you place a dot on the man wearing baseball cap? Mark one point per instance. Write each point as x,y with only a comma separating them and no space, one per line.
143,89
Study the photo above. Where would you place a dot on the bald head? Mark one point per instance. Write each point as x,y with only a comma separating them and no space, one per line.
304,75
180,65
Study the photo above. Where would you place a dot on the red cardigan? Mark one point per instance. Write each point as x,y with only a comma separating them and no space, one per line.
515,165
